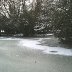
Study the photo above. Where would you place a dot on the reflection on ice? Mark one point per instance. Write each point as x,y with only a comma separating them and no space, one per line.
35,44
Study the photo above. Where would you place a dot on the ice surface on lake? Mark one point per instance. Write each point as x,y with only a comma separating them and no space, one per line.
35,44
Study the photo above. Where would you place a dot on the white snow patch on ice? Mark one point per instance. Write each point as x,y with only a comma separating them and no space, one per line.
35,44
31,44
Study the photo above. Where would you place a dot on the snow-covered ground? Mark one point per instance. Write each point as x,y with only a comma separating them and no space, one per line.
35,44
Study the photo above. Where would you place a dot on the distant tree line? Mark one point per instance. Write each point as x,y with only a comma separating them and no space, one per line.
40,16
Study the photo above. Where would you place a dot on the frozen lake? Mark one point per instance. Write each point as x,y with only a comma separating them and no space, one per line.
35,44
27,55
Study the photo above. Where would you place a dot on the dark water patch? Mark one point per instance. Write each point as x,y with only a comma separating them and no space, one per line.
54,51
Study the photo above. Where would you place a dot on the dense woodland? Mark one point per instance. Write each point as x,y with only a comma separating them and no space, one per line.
36,17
